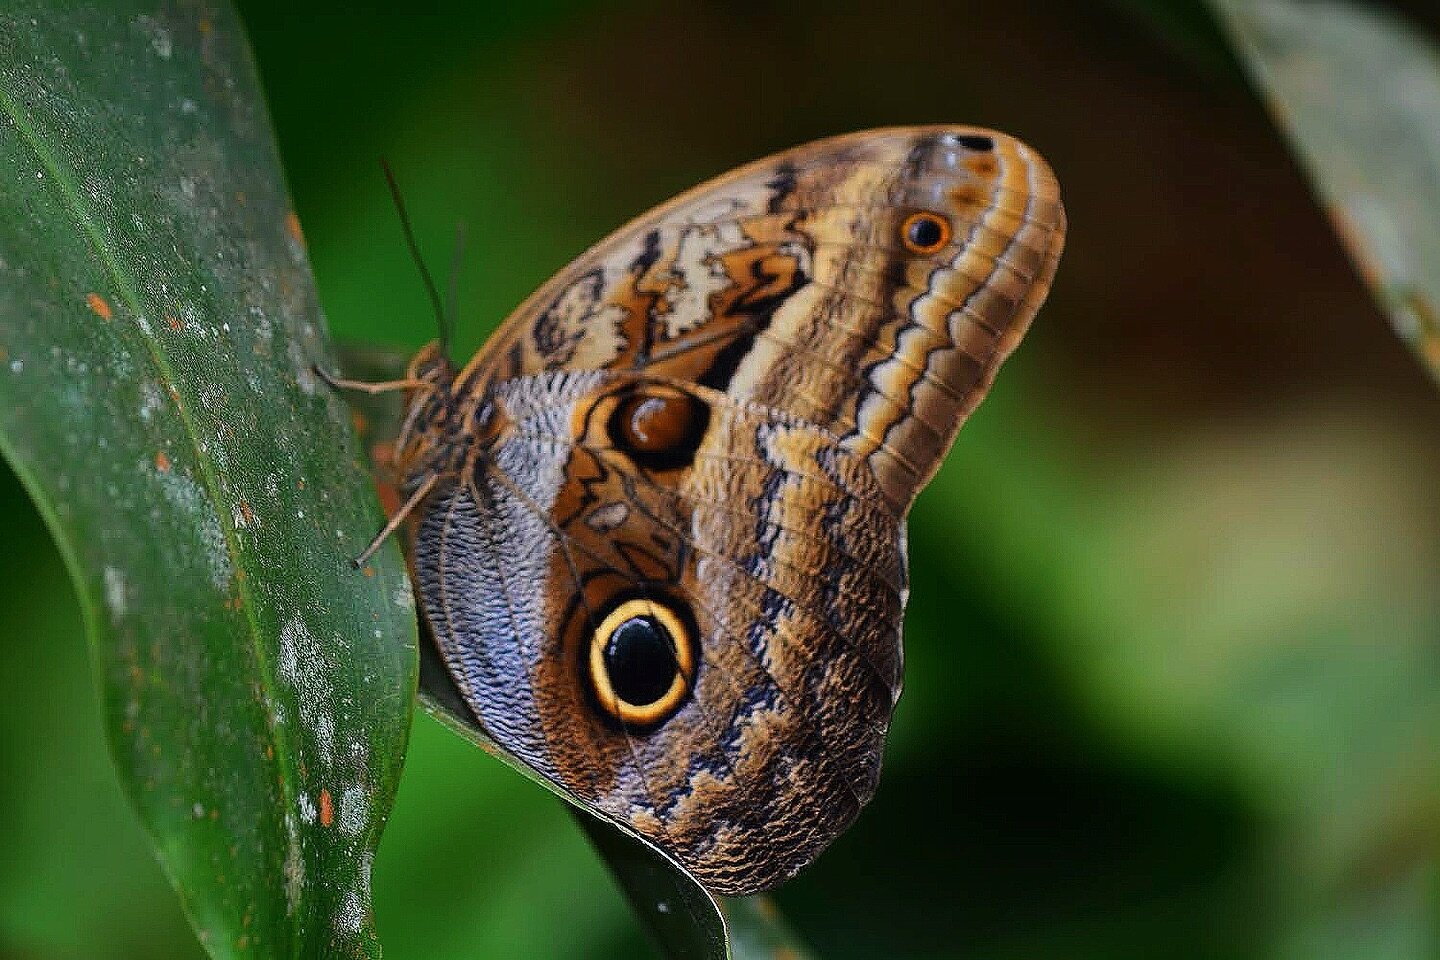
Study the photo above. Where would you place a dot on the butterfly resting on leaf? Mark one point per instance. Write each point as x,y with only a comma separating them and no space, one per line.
657,523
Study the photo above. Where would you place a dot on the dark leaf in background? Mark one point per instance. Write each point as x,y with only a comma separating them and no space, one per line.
1357,92
157,326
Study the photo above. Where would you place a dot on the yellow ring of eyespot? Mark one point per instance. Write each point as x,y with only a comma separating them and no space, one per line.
937,220
648,713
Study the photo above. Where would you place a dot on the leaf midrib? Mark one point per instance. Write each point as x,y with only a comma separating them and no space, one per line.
84,218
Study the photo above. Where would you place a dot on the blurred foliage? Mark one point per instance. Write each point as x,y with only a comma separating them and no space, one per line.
1358,93
1171,652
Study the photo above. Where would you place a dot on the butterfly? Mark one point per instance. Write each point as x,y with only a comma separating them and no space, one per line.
658,522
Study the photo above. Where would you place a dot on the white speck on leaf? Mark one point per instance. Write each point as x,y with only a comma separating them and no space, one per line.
302,664
160,40
353,807
150,401
351,918
115,591
307,808
188,499
294,866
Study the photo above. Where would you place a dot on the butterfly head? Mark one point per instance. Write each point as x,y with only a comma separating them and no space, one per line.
432,414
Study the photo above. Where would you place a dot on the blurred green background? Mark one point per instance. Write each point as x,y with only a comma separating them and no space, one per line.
1173,651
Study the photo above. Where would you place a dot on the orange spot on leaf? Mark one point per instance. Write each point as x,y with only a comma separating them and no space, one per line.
327,808
98,306
162,462
292,227
172,322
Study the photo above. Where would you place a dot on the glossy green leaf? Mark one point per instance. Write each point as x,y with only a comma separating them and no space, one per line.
1357,91
158,323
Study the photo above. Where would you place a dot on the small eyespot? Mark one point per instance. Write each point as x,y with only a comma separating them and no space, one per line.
925,232
658,426
641,663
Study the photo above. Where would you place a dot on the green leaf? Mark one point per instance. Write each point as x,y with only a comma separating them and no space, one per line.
158,323
1357,91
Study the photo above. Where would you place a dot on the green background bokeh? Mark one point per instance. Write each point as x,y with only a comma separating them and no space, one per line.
1173,651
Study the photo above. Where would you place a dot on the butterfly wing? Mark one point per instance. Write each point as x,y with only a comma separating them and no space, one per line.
669,571
791,283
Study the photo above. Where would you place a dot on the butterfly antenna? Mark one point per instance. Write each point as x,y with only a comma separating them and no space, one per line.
452,292
440,318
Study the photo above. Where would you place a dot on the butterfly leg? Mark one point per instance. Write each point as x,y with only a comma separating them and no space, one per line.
382,386
394,522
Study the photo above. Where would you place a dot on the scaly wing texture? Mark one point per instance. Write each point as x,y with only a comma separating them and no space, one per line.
788,283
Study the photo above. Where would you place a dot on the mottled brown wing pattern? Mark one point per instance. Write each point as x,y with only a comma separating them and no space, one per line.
661,543
790,283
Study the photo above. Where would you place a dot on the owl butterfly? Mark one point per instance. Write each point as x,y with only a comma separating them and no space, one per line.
659,520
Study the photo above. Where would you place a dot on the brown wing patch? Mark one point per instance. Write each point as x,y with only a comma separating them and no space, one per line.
796,283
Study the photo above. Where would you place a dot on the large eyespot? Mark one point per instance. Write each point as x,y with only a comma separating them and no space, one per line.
659,426
925,232
642,662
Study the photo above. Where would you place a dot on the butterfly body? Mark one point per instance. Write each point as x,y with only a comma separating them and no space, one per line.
659,522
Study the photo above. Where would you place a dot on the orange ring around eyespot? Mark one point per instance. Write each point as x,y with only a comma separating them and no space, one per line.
922,218
632,714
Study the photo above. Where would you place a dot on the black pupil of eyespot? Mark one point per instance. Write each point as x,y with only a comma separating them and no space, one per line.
640,659
925,232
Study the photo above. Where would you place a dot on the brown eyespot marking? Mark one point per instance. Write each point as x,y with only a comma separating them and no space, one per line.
642,662
659,427
925,232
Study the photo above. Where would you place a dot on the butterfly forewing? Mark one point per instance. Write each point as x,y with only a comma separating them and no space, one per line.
666,566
